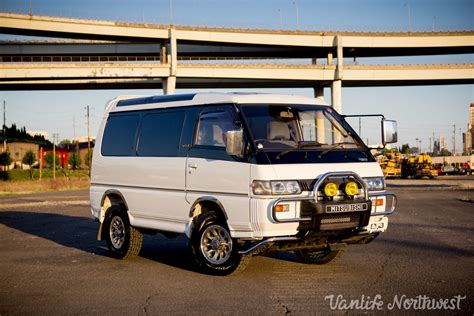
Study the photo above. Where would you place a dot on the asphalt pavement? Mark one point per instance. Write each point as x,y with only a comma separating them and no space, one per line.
51,263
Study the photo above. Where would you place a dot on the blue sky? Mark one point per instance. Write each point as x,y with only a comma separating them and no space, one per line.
420,111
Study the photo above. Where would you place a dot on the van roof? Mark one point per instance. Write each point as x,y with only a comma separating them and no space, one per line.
127,103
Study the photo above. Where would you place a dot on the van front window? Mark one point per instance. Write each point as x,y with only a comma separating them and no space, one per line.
287,127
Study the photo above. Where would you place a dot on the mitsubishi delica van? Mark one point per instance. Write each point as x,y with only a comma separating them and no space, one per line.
239,175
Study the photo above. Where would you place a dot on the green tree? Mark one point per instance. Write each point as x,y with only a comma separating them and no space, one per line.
49,159
74,160
5,159
88,157
29,159
405,149
64,143
445,152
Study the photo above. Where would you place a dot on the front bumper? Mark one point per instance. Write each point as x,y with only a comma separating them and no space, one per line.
380,204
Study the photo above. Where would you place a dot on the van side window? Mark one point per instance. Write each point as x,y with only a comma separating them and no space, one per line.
160,134
212,127
119,135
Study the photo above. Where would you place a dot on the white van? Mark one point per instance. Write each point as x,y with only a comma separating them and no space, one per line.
239,174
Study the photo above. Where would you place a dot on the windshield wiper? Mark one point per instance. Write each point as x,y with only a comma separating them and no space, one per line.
334,146
300,145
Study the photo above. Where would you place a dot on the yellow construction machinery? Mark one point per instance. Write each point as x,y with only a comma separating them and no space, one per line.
390,165
418,167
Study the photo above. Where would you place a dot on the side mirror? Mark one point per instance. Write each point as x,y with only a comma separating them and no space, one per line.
389,132
234,143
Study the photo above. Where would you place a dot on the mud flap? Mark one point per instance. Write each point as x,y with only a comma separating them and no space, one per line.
99,233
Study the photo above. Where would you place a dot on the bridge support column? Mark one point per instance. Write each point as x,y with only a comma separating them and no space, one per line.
336,85
319,92
336,95
169,85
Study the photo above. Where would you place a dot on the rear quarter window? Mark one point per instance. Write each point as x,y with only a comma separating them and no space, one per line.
119,135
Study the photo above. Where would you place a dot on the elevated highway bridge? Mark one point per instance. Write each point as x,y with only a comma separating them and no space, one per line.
112,55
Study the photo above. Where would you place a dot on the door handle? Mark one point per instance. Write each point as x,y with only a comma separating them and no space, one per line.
192,165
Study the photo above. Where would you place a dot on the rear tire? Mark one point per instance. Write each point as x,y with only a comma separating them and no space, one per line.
320,257
213,249
123,240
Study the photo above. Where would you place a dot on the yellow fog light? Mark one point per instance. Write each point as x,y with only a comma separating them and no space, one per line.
330,189
351,188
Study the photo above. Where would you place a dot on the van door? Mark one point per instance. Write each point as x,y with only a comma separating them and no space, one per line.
211,172
156,182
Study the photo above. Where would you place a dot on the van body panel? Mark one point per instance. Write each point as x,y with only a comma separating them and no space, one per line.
311,171
226,181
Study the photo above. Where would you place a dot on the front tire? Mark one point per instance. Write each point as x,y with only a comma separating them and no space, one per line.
123,240
321,256
214,250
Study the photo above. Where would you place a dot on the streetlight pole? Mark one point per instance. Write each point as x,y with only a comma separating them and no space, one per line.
297,15
281,19
407,4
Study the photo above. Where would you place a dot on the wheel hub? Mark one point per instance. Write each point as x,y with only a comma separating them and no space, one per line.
117,232
216,244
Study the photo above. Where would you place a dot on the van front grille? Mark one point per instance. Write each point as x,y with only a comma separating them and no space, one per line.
343,221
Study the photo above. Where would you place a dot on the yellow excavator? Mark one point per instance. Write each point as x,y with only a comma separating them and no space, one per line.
390,165
418,167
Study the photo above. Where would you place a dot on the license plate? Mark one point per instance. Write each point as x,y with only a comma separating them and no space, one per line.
377,224
343,208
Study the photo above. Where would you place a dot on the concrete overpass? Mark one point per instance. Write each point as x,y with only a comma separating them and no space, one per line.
129,55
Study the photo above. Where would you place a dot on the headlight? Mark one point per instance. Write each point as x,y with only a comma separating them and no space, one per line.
375,184
275,187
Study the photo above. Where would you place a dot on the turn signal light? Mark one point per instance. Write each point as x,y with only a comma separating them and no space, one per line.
282,208
379,202
351,188
330,189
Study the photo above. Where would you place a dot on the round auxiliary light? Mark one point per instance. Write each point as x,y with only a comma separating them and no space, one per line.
330,189
351,188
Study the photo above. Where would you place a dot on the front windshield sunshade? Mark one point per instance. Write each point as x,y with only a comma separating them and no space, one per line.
285,127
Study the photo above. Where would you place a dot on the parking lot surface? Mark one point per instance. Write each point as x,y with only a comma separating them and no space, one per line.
51,263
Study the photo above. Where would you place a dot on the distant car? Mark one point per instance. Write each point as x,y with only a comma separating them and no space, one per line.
466,169
449,170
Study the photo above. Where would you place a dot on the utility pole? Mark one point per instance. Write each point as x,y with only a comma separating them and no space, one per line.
433,143
462,147
171,12
297,15
468,140
454,139
89,140
360,126
418,148
73,128
4,127
281,19
430,147
75,142
41,162
54,155
407,4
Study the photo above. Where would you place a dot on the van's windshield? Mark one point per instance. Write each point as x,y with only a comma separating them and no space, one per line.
290,127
